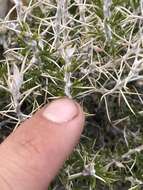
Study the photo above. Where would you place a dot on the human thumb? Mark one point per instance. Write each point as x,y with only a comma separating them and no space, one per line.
32,155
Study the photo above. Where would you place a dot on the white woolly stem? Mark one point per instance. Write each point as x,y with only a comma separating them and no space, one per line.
107,15
62,40
67,58
81,5
141,5
15,82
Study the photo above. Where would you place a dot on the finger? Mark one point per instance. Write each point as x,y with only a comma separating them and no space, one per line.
32,155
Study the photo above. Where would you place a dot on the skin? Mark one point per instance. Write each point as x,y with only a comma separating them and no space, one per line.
32,155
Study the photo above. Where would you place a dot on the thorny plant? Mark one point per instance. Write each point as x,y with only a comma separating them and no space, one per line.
88,50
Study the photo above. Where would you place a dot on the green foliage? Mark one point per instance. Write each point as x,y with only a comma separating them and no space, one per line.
98,56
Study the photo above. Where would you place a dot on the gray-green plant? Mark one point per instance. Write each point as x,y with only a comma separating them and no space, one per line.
91,51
